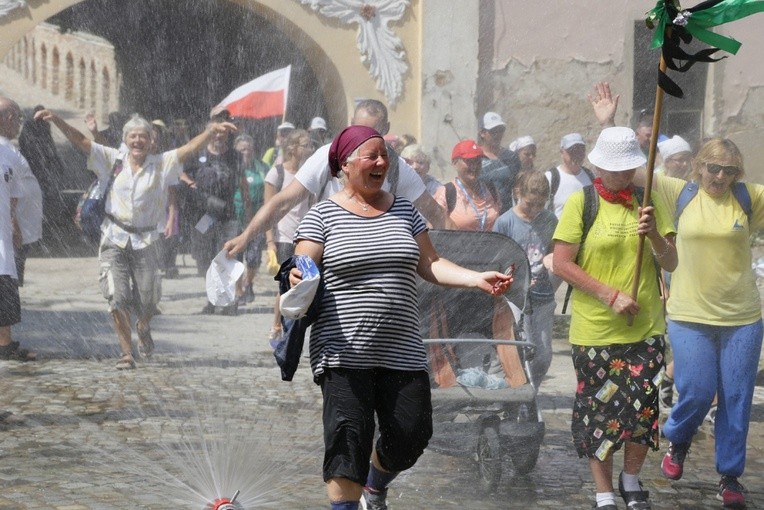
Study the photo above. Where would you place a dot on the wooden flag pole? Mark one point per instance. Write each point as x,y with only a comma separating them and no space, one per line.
648,182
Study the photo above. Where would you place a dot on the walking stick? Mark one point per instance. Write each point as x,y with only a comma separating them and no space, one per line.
648,184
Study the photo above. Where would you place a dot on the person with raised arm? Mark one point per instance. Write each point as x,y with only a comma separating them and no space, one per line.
137,183
314,178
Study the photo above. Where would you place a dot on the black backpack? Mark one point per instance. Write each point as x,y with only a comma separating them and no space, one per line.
591,208
554,183
451,194
216,182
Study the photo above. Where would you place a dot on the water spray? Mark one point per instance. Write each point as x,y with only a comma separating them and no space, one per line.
225,503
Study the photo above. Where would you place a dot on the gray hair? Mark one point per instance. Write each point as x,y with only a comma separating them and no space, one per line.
413,150
136,123
244,138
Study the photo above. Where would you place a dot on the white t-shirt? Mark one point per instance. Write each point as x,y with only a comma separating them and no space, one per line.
569,184
286,227
137,199
9,189
314,172
29,207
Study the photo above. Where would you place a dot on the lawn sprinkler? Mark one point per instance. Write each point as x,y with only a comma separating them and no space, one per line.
225,503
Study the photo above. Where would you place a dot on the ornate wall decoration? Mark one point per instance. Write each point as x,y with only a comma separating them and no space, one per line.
381,50
7,6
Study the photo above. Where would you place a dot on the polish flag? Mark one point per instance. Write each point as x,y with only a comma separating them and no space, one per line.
265,96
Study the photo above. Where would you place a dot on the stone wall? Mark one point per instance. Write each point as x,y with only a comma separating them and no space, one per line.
76,66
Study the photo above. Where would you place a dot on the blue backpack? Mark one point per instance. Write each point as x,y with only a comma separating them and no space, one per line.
92,208
739,191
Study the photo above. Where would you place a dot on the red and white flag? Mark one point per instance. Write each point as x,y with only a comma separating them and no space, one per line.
265,96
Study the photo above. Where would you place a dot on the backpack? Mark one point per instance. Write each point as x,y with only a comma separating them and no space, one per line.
739,191
554,183
451,194
591,208
215,186
312,198
91,209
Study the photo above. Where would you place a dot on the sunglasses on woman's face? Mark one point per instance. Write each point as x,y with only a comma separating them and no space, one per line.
714,169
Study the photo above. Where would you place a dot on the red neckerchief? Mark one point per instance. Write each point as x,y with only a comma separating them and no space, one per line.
623,197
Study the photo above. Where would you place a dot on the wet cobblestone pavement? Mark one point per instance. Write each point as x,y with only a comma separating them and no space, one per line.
208,414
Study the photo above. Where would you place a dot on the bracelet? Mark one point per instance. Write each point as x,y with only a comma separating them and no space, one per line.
664,252
612,299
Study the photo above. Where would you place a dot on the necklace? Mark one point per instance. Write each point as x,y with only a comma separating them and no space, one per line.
365,207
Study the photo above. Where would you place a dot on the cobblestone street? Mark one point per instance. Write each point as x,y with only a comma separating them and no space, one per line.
208,414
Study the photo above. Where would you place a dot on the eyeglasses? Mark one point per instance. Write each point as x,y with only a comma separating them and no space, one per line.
373,157
714,169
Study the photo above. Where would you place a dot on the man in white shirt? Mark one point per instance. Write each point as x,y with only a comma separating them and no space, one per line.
10,232
570,176
28,207
134,206
314,178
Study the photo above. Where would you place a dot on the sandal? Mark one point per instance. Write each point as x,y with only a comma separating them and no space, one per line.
126,362
146,345
13,352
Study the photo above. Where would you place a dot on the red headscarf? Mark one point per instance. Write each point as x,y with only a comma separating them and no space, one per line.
346,142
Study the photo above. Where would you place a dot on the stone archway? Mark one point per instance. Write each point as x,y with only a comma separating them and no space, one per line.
329,46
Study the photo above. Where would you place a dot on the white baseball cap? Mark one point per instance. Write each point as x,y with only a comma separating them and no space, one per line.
571,139
519,143
673,145
617,150
491,120
317,123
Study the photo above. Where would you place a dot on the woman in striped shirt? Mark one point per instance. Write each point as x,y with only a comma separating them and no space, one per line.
365,348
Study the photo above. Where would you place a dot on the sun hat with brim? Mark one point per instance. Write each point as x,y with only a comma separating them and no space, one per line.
617,150
467,149
285,125
346,142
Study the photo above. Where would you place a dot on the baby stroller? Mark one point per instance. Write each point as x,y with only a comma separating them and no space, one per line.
484,401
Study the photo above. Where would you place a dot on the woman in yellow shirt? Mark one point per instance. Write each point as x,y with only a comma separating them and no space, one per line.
714,311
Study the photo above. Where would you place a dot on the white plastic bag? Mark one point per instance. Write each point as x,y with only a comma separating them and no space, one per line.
222,276
295,302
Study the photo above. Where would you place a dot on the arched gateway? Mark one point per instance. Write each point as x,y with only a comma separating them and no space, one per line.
327,40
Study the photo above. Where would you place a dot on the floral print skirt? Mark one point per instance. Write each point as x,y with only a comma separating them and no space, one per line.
617,396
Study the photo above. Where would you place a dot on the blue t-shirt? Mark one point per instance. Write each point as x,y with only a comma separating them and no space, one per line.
536,239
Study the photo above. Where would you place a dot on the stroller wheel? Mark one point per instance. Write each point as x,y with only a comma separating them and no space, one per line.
525,457
489,459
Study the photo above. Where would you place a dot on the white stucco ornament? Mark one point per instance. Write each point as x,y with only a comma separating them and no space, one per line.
7,6
380,48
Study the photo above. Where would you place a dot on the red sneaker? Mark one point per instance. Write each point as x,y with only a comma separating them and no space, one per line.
731,492
672,464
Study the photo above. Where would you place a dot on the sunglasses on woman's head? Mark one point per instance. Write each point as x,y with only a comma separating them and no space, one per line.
714,169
